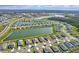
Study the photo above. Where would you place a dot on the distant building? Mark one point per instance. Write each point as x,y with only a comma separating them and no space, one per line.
56,15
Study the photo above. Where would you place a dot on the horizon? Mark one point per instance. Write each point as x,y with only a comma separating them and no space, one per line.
40,7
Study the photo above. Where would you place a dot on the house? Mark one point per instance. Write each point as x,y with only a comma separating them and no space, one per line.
43,40
28,42
37,50
75,43
20,42
47,50
69,45
63,47
37,41
1,47
34,41
55,49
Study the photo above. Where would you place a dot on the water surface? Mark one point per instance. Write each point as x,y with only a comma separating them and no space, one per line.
31,32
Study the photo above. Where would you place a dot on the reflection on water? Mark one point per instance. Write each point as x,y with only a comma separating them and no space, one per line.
31,32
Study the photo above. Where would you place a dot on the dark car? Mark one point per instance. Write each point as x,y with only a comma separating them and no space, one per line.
46,39
10,46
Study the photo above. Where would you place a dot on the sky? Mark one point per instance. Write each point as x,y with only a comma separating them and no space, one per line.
39,2
40,7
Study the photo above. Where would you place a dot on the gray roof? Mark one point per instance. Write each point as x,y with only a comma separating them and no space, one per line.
69,45
63,47
1,47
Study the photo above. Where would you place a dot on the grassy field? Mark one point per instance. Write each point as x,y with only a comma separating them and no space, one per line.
1,27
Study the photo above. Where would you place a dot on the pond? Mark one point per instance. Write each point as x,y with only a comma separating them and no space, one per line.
23,23
32,22
29,33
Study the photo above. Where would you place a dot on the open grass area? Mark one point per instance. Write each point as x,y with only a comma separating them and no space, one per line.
1,27
74,31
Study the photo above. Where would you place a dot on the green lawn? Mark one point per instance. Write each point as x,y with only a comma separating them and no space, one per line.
1,27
